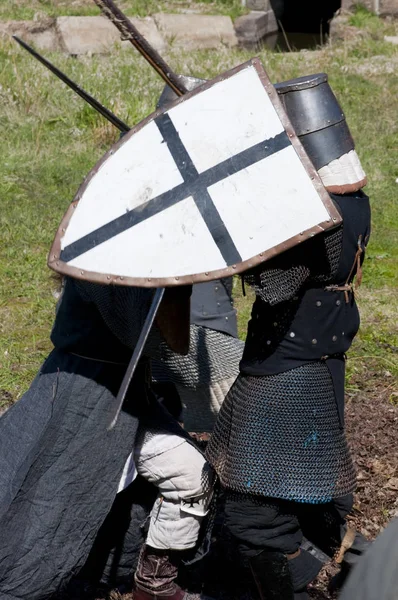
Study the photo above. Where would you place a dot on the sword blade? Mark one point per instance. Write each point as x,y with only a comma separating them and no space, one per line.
153,309
131,33
76,88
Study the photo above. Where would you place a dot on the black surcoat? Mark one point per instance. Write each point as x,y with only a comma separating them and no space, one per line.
280,431
60,464
212,306
299,314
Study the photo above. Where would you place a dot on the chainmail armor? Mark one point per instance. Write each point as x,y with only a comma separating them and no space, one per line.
212,357
292,447
293,269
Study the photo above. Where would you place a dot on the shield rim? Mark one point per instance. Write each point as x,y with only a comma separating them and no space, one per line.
56,264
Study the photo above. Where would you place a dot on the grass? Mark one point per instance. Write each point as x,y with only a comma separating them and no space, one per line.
29,9
50,140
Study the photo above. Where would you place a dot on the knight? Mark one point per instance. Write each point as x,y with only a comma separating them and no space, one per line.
278,445
62,468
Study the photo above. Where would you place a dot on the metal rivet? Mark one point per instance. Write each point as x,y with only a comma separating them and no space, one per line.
261,253
206,274
218,304
334,219
275,324
81,272
234,266
268,342
216,288
63,229
314,341
290,135
57,263
108,277
204,314
176,278
226,318
54,256
149,279
342,333
338,302
301,232
319,303
292,334
334,338
121,278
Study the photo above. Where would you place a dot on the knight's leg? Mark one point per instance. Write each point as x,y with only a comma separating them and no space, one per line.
324,525
268,535
184,480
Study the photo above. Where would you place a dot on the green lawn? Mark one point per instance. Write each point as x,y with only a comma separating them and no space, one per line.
28,9
50,140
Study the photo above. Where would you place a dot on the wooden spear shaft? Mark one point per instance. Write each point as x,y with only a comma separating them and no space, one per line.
131,33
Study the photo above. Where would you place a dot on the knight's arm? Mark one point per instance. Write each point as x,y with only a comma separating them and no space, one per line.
281,278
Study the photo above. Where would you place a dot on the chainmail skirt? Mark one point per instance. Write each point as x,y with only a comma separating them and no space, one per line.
213,357
280,436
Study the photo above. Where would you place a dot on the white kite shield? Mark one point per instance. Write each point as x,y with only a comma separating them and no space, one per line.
212,185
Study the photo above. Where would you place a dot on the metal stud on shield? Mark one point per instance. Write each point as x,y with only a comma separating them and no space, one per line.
195,191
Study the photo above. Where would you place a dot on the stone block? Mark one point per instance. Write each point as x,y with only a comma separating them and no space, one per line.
193,32
42,34
347,4
147,27
381,7
97,35
83,35
340,29
263,5
389,7
393,39
255,27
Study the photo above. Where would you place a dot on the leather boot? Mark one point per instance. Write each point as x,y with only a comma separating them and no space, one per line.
156,576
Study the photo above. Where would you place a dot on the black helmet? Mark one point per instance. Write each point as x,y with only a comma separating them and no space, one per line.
320,124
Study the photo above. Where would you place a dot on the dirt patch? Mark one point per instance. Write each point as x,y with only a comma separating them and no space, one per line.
6,400
371,425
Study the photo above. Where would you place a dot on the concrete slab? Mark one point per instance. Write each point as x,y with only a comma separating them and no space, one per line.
393,39
254,27
82,35
196,31
42,34
97,35
263,5
147,27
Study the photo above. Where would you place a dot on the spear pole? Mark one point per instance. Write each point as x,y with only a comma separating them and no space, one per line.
131,33
112,118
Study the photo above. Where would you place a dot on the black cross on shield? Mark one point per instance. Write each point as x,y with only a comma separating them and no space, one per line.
195,185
